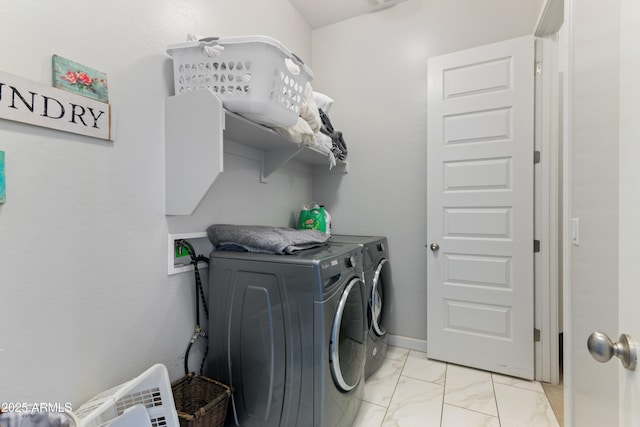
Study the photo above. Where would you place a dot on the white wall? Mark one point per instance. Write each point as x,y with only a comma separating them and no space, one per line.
375,67
85,301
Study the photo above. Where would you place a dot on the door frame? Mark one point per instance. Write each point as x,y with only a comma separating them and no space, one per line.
548,192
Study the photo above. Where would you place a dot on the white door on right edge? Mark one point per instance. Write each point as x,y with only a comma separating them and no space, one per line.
480,207
605,394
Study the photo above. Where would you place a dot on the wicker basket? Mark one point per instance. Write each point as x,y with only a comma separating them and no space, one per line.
200,401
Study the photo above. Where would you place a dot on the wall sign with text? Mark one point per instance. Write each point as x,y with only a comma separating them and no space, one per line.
34,103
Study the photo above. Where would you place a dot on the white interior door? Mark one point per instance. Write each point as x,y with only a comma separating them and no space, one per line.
480,207
629,206
608,55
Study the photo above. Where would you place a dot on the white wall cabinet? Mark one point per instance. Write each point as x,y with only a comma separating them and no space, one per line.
196,128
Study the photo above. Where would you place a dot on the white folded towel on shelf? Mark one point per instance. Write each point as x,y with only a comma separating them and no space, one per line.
322,142
306,131
309,109
323,101
300,133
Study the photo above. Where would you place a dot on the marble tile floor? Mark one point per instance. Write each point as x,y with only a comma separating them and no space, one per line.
409,390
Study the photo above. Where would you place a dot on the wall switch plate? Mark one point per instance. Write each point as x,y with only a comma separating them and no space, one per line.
575,231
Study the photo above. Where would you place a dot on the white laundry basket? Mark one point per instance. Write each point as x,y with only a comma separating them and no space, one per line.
151,389
255,76
136,416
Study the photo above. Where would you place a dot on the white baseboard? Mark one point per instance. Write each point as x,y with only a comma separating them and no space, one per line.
407,342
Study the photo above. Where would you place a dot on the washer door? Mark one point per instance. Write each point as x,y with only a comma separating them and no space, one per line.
380,280
347,349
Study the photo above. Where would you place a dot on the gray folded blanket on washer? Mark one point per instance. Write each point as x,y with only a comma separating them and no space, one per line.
265,239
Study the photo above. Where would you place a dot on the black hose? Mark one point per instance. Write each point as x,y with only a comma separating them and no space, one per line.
206,351
199,287
186,358
192,254
199,296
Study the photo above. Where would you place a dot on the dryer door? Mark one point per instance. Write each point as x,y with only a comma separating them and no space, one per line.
380,283
348,345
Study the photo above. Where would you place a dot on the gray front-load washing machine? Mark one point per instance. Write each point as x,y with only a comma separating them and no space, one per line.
288,334
377,278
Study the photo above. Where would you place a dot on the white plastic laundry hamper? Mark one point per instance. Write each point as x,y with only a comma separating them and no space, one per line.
254,76
151,389
136,416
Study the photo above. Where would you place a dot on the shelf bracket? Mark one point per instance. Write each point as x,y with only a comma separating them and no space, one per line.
275,158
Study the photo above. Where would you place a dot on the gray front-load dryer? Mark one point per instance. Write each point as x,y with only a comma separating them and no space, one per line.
288,334
377,278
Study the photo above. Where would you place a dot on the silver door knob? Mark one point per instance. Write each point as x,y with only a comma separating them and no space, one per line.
603,349
434,247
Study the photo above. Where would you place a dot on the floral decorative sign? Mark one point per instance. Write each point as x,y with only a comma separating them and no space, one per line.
3,188
77,78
